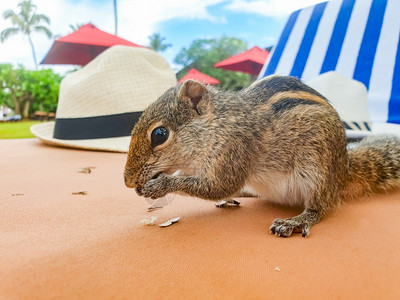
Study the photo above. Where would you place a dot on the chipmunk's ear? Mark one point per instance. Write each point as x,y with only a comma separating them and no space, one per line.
195,94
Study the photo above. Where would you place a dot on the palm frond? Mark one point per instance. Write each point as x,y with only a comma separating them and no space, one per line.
7,14
14,18
6,33
44,30
27,9
37,18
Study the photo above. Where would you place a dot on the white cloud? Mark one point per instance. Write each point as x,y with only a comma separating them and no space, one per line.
138,18
270,8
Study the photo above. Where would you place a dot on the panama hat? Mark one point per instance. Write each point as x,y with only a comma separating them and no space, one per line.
100,103
350,98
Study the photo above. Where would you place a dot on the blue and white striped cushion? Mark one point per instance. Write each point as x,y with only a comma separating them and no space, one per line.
357,38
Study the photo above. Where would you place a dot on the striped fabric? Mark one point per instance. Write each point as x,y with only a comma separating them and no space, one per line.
365,126
357,38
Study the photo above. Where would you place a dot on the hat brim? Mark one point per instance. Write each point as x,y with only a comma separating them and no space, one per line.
44,132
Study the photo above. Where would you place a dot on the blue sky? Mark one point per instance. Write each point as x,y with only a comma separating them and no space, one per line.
254,29
257,22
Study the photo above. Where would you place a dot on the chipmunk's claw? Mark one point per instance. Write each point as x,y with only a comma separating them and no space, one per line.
155,188
285,227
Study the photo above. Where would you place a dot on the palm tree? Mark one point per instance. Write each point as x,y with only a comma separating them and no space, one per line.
25,21
156,42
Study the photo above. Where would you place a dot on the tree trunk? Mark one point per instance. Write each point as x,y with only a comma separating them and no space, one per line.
17,107
25,113
33,51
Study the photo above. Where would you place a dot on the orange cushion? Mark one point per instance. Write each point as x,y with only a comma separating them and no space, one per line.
54,244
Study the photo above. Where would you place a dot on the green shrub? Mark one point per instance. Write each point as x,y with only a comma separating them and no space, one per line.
26,91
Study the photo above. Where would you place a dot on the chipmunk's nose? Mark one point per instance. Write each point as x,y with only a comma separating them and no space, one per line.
138,155
130,179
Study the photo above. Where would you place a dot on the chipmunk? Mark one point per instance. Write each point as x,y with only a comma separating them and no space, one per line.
279,137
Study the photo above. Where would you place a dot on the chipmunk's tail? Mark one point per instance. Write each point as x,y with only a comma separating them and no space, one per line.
374,166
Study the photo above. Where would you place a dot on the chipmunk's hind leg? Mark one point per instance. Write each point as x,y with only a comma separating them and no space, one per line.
301,223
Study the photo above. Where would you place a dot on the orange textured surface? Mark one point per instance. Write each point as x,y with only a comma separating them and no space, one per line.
57,245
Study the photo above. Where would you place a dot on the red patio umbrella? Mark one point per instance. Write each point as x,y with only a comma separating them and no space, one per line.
250,61
196,75
81,46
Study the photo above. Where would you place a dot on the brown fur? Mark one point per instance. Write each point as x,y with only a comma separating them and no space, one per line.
279,138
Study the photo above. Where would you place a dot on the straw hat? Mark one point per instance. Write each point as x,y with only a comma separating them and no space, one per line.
350,98
100,103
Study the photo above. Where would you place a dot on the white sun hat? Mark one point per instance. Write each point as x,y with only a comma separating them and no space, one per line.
350,98
100,103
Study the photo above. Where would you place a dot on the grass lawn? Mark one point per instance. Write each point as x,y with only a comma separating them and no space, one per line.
16,130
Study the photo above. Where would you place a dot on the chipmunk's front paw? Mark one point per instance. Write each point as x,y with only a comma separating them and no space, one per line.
285,227
156,188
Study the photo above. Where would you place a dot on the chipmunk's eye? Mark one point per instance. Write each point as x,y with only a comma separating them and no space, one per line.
159,136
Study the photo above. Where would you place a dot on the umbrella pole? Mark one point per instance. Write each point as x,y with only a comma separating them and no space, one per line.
115,17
